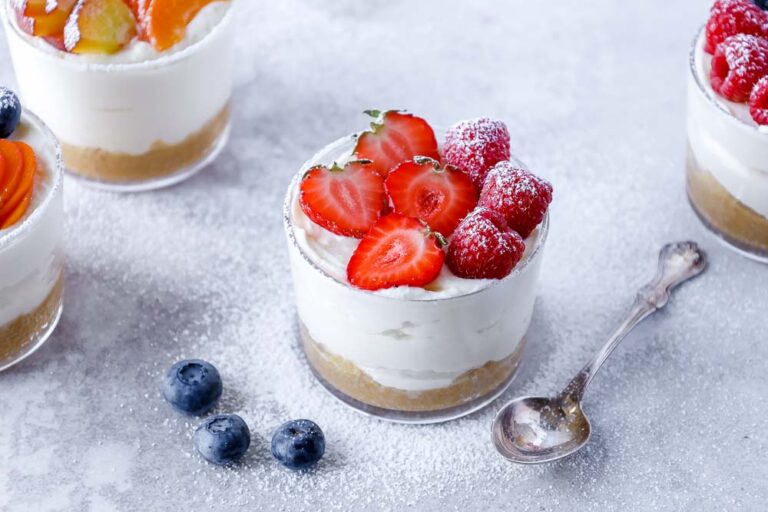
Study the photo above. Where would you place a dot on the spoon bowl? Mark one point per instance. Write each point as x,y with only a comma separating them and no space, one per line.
532,430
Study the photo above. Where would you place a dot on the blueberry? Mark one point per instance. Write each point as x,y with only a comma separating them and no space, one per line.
192,386
763,4
10,112
222,439
298,444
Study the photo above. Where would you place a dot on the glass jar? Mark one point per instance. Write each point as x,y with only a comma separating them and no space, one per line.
408,355
126,125
727,163
31,253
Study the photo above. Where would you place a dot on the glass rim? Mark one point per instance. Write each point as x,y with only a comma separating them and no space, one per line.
146,65
711,100
15,232
288,226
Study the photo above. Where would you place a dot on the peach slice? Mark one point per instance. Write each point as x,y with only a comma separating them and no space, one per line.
14,168
17,213
17,203
26,180
166,20
99,26
47,20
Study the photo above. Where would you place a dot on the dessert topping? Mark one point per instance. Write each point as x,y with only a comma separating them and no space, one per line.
99,26
398,251
17,175
10,112
346,201
483,247
521,197
758,102
395,137
731,17
164,22
739,62
440,196
476,146
107,26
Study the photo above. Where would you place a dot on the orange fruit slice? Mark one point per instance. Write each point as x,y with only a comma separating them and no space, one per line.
165,21
44,18
14,165
18,191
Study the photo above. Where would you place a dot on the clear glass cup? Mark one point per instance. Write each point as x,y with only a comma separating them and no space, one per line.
409,360
727,165
31,254
130,126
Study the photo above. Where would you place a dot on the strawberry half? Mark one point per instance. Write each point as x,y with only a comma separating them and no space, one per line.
346,201
394,138
439,196
398,251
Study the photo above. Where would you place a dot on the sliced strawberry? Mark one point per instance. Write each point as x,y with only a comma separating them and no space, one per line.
439,196
394,138
344,201
398,251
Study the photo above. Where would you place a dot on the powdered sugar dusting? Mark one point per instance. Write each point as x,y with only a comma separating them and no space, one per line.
201,270
8,99
484,247
477,145
519,195
71,29
731,17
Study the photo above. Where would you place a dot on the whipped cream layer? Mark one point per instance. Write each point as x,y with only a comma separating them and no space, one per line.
30,250
406,338
133,100
724,138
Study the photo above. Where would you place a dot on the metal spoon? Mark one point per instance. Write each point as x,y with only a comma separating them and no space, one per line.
533,430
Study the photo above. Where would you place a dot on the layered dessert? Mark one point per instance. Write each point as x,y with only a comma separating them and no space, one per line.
415,265
728,125
137,91
31,226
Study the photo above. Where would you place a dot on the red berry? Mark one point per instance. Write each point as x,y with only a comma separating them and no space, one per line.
439,196
394,138
731,17
739,62
483,247
521,197
398,251
758,102
344,201
476,146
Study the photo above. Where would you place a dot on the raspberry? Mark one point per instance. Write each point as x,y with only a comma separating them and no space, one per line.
521,197
731,17
483,247
477,145
758,102
739,62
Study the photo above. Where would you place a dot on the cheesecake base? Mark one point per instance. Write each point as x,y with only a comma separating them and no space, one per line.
22,336
470,392
734,223
163,165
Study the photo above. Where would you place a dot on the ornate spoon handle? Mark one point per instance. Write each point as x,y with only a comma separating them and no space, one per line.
678,262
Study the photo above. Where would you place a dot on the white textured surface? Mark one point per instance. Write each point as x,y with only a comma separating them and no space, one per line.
594,93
